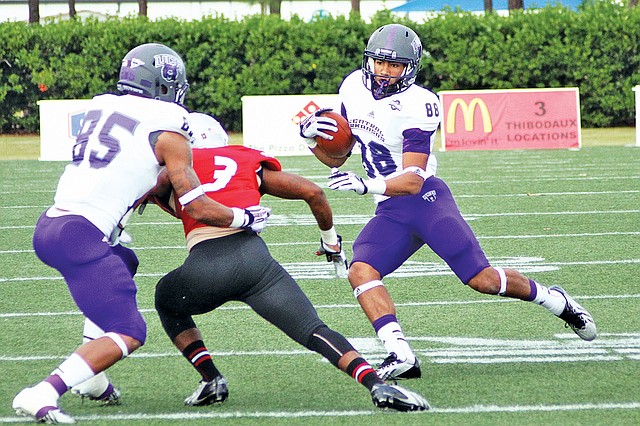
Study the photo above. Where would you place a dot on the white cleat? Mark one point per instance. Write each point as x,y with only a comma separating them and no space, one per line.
98,389
393,368
40,404
394,397
576,317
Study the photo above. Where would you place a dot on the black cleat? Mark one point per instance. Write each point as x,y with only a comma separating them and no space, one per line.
208,393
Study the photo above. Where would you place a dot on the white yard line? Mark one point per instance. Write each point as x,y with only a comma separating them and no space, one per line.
475,409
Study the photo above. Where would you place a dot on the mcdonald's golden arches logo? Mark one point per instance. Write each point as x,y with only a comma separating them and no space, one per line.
468,112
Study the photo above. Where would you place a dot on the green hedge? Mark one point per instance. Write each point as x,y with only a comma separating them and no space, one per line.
596,49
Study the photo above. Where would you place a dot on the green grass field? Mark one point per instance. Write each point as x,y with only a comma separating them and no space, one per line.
562,217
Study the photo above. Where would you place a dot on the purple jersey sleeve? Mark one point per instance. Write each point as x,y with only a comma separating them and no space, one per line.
416,140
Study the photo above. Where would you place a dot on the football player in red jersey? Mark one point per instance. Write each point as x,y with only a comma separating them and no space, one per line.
225,265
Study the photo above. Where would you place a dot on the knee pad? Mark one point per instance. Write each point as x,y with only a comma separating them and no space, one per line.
120,342
503,281
366,286
330,344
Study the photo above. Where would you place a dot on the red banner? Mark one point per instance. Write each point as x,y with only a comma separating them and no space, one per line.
510,119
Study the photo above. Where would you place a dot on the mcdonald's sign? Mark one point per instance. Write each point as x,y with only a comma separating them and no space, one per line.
468,115
510,119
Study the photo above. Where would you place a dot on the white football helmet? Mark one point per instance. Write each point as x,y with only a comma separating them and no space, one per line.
206,131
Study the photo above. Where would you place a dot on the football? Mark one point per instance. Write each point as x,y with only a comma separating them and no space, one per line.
343,140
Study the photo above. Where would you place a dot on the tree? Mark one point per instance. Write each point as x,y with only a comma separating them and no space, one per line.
34,11
142,7
274,6
355,6
72,9
488,6
515,4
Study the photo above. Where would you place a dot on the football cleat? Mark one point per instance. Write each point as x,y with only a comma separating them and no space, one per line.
40,404
393,368
208,393
576,317
98,388
394,397
110,397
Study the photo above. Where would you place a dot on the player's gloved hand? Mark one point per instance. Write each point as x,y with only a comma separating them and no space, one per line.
315,125
337,256
254,218
347,181
119,235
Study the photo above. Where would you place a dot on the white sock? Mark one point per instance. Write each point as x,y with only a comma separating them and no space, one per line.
97,384
74,370
394,341
550,299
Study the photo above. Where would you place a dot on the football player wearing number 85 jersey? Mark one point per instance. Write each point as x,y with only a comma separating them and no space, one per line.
395,122
125,142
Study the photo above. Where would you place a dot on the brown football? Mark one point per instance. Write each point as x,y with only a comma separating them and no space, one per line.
343,140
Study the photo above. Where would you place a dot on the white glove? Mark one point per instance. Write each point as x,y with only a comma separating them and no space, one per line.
119,235
339,259
314,125
347,181
254,218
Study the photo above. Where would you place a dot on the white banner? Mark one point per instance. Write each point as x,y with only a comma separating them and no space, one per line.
59,126
270,123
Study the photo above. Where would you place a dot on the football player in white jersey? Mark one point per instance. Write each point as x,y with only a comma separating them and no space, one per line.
125,142
395,122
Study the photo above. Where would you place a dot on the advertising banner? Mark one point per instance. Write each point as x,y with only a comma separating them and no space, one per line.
270,123
60,122
510,119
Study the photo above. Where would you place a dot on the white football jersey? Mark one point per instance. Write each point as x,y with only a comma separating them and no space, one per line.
378,125
114,164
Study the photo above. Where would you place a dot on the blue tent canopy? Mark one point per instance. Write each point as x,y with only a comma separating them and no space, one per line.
472,5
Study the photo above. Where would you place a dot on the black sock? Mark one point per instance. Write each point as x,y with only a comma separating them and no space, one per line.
363,372
199,357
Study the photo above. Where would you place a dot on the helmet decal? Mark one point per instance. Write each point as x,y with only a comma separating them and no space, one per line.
417,46
170,65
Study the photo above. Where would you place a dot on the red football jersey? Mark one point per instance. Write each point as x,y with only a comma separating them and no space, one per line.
229,176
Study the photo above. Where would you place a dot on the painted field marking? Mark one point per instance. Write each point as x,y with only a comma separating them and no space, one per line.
474,409
452,350
324,270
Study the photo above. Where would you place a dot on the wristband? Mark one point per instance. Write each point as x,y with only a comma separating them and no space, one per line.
329,236
191,195
417,170
376,186
311,142
238,218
